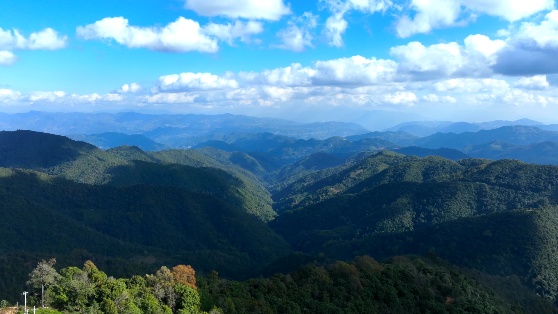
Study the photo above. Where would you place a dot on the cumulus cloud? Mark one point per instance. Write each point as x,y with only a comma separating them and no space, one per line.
8,95
46,96
439,99
182,35
429,15
248,9
129,88
170,98
293,75
533,82
47,39
297,36
469,85
474,58
336,24
532,49
401,98
356,70
230,32
194,81
95,98
179,36
7,57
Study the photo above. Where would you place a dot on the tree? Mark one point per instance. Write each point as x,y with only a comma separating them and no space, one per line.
185,275
43,275
162,284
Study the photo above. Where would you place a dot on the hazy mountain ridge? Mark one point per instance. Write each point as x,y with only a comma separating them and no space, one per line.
426,128
174,131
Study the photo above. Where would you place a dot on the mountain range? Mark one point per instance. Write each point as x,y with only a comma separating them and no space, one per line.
250,204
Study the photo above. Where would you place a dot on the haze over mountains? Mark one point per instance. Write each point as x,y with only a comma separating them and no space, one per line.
254,199
278,142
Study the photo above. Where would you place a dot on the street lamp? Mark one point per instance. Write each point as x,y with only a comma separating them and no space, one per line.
25,296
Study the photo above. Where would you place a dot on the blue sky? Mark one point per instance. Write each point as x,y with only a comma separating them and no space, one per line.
374,62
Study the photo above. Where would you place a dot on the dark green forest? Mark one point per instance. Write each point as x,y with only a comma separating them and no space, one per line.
362,230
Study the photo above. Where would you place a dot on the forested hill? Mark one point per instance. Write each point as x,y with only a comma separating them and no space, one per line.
498,217
76,201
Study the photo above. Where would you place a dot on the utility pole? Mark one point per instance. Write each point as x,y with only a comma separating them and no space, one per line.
25,296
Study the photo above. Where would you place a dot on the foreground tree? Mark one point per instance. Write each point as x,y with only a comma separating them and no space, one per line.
43,276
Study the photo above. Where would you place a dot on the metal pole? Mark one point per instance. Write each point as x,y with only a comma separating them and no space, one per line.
25,300
43,295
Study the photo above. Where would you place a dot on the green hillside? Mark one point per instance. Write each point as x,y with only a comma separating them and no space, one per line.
46,215
472,213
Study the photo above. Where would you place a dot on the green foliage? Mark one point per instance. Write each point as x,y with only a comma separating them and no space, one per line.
413,205
90,290
403,285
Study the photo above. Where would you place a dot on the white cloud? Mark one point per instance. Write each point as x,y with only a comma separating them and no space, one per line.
533,82
95,98
511,10
170,98
439,99
8,95
248,9
433,14
543,35
401,98
532,49
48,96
468,85
336,24
356,70
181,35
297,36
293,75
474,58
129,88
429,15
230,32
47,39
7,57
195,81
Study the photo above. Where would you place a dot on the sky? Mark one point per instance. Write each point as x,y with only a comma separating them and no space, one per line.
373,62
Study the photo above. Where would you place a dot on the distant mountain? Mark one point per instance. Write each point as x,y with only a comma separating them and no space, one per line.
518,135
177,131
113,139
426,128
539,153
285,150
448,153
398,138
420,128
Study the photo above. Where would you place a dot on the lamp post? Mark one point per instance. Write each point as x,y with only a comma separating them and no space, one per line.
25,300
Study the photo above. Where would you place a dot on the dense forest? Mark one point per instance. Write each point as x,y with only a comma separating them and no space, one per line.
264,224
